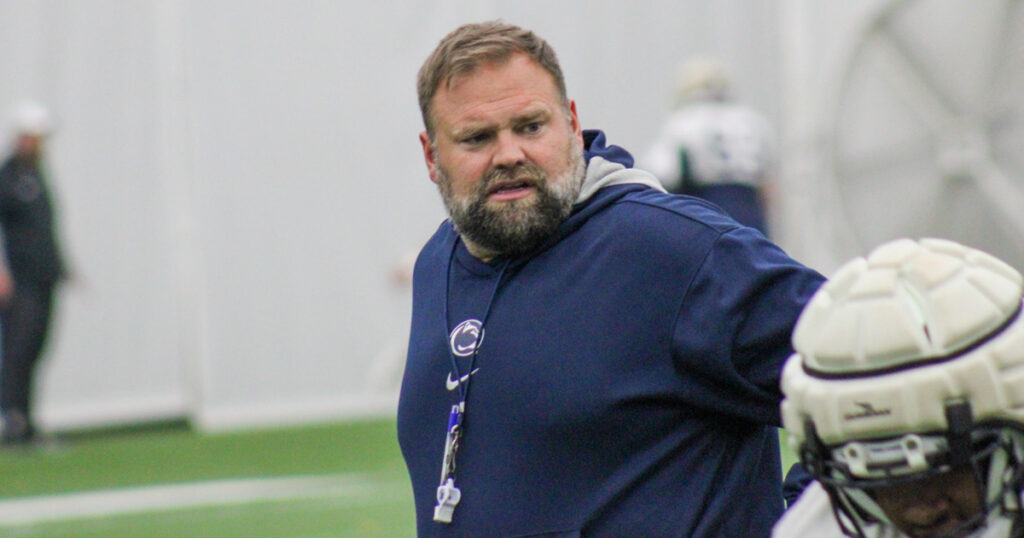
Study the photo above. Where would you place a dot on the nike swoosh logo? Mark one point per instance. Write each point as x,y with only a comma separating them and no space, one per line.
452,384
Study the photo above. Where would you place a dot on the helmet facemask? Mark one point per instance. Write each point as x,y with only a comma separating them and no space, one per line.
851,473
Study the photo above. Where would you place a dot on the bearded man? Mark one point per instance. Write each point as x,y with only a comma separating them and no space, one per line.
589,356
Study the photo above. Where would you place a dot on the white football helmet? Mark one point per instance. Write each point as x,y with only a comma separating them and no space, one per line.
702,78
909,363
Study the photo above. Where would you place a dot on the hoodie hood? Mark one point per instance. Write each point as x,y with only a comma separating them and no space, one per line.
608,166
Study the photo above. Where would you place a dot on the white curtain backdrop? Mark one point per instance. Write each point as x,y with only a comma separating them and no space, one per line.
236,179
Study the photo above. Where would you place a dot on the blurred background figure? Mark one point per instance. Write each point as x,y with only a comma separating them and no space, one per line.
714,148
32,269
386,369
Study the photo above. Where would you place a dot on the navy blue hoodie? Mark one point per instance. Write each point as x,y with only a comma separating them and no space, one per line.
626,381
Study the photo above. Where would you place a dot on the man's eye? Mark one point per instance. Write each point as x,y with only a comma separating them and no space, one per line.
532,127
476,139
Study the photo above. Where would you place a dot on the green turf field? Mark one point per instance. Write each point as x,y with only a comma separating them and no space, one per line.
788,456
367,492
338,481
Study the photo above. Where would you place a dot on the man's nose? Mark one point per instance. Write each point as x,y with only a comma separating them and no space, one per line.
509,150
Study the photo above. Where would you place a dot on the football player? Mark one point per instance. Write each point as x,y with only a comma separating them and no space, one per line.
905,397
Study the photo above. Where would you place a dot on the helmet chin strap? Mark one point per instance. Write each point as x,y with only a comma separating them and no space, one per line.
959,424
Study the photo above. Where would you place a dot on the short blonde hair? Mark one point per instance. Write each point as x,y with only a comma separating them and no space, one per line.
468,46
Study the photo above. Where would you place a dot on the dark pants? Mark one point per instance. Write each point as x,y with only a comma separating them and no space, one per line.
24,325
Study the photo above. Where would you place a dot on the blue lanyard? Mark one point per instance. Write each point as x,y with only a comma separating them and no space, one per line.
464,384
448,495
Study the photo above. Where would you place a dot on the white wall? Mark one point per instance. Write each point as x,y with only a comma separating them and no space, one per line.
238,177
816,39
120,346
894,128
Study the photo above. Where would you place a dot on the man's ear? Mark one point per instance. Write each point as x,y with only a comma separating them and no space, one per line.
429,156
574,121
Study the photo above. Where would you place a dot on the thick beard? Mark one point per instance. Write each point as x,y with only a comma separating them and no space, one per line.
519,226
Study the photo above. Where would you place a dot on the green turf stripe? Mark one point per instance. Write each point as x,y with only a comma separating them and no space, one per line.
105,503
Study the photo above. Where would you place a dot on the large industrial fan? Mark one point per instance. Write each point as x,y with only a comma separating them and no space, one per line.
926,134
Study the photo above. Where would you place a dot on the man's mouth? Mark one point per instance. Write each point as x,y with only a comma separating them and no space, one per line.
511,190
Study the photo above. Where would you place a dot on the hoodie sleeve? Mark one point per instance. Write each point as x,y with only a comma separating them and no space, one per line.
735,323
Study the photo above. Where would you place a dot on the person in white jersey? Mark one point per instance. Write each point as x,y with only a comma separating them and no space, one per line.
715,148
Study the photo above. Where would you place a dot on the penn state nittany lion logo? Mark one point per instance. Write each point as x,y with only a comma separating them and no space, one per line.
466,337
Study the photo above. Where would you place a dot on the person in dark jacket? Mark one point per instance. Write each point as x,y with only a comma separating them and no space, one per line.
588,355
33,267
